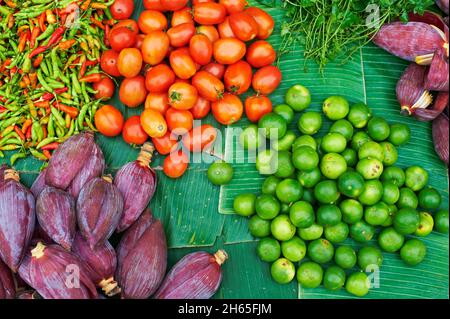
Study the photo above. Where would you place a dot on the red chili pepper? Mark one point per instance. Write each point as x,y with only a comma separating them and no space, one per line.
106,35
28,134
71,111
26,125
2,109
42,104
38,50
92,63
49,96
83,66
41,21
47,154
23,40
5,64
56,36
38,61
92,78
50,147
34,34
19,132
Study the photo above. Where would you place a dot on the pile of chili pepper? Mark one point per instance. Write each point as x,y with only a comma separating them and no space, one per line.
49,55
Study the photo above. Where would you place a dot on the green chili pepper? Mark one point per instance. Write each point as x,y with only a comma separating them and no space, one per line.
89,123
48,32
42,81
60,132
71,129
46,141
44,68
85,95
26,65
15,157
75,83
37,133
82,115
38,155
50,127
59,119
2,155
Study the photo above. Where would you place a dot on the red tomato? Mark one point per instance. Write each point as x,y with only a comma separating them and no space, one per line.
238,77
181,16
139,41
130,62
108,121
266,80
153,5
132,91
265,22
208,86
105,88
201,108
210,31
176,164
228,110
129,23
153,123
244,26
182,96
225,30
166,144
174,5
159,79
257,106
260,54
132,132
195,2
179,122
216,69
200,49
229,51
209,13
121,38
233,6
155,47
108,63
152,20
199,138
158,102
182,64
181,34
122,9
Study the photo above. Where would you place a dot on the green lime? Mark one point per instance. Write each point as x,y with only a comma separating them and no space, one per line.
351,184
282,163
393,174
320,251
334,278
250,138
358,284
378,129
377,214
391,193
441,221
407,199
413,252
220,173
326,192
336,108
416,178
267,206
285,111
371,149
259,227
310,178
302,214
270,184
265,162
370,168
400,134
406,221
390,240
333,165
372,194
309,274
310,123
333,143
244,204
359,139
289,190
345,257
359,115
352,211
284,143
312,232
282,228
282,271
390,153
361,231
308,196
268,249
369,257
284,208
426,224
274,126
350,156
337,233
305,158
328,215
343,127
304,140
390,220
294,249
298,97
429,198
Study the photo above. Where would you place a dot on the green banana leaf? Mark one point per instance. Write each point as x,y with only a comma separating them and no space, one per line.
199,216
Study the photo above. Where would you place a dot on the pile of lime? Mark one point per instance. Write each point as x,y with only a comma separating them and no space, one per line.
320,191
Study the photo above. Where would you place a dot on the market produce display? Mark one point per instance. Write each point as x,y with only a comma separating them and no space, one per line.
220,109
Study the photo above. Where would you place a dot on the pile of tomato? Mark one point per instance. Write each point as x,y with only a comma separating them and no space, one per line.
183,63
